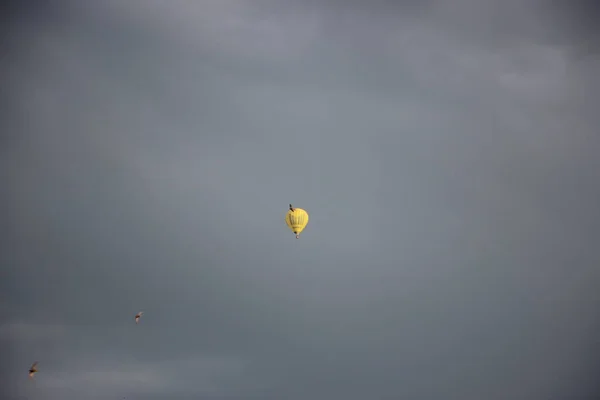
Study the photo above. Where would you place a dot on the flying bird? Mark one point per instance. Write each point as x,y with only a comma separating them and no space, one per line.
138,316
33,369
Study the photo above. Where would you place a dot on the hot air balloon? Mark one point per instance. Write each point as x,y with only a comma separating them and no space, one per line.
296,219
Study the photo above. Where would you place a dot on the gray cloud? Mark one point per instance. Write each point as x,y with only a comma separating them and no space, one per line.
447,155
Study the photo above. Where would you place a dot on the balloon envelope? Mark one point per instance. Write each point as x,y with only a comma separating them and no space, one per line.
296,220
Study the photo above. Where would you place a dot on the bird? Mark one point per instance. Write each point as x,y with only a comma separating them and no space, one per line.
138,316
33,369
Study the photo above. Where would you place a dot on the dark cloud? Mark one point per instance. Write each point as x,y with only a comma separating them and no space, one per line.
447,155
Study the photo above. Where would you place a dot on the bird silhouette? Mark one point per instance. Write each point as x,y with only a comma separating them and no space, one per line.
138,316
33,369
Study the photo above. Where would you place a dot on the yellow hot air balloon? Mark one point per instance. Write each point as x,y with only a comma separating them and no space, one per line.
296,219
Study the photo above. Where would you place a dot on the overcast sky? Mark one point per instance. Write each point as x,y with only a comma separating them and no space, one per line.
447,152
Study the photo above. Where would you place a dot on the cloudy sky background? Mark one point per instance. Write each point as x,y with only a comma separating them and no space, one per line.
447,152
